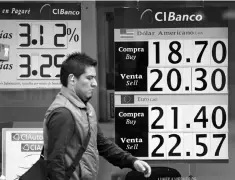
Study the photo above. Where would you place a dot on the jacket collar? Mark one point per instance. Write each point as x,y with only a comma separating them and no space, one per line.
72,97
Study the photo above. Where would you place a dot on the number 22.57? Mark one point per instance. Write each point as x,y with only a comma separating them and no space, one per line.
203,146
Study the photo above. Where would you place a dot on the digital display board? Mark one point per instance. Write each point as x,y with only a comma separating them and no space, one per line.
35,39
171,83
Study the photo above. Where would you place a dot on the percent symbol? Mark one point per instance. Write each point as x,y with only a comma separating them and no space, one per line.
73,36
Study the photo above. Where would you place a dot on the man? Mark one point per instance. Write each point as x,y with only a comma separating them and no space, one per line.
68,120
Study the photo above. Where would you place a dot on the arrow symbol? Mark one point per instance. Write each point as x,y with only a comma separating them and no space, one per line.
25,147
15,137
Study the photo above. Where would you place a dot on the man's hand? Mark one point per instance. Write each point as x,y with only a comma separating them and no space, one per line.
143,167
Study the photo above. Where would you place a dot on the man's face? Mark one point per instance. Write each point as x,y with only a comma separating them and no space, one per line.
85,84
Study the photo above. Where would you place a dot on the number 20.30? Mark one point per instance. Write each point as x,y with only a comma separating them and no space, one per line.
176,73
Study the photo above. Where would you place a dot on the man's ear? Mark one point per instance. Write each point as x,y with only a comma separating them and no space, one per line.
71,78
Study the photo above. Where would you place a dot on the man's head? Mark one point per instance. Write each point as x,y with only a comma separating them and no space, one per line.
78,74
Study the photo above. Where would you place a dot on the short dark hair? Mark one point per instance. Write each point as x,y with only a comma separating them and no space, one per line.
75,64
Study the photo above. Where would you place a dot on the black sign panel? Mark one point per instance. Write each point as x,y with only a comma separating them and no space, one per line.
131,62
128,122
